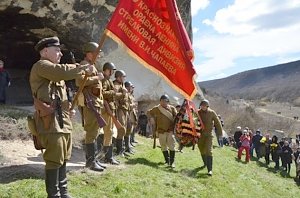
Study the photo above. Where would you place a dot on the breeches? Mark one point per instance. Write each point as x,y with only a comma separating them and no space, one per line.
58,148
167,140
122,117
108,129
91,126
205,145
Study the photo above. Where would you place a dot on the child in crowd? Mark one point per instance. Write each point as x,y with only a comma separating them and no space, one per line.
245,144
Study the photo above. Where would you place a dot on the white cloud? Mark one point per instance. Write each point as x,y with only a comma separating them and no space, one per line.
253,28
198,5
246,16
221,52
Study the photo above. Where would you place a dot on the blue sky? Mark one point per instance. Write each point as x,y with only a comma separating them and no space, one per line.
231,36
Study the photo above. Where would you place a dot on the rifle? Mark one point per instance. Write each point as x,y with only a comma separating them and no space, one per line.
90,105
114,119
86,76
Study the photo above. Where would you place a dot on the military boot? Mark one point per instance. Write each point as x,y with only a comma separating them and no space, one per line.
209,165
96,159
52,183
109,155
172,158
166,156
119,146
204,161
128,148
63,182
100,139
90,161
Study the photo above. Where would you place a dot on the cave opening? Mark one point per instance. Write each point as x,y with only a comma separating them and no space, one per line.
18,34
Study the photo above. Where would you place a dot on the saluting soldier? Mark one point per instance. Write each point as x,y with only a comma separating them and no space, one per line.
48,88
205,144
122,107
92,94
164,115
109,95
132,117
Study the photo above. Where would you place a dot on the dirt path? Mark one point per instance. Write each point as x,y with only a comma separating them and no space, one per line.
20,160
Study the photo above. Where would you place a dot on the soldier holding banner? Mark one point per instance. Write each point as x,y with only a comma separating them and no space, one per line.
92,103
163,115
52,117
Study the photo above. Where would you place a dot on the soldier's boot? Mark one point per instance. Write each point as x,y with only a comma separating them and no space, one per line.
209,165
172,158
131,138
167,157
100,139
90,161
204,161
52,183
98,153
127,145
119,146
109,155
63,182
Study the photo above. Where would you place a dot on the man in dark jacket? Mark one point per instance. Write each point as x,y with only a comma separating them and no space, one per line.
256,144
237,136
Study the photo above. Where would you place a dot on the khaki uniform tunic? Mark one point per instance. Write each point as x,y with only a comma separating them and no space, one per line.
210,120
122,107
109,96
132,116
93,88
46,79
164,127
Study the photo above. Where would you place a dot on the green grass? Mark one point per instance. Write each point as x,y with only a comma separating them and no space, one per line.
144,175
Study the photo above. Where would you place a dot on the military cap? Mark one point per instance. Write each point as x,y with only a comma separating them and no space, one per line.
128,84
204,102
109,65
120,73
165,97
47,42
90,47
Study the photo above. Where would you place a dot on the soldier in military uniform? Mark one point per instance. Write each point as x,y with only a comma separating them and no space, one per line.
122,107
92,93
164,115
205,144
132,117
109,95
54,128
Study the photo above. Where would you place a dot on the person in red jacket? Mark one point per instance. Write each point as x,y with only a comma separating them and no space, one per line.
245,144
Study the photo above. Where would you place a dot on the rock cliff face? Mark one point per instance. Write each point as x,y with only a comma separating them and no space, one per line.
24,22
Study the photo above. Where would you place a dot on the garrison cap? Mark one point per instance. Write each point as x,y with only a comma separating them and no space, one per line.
47,42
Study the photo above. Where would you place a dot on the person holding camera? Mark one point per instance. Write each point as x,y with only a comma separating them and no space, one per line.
245,145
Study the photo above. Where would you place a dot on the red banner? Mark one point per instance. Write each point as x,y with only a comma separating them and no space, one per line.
153,33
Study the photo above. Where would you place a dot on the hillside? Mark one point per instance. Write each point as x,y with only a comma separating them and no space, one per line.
276,83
